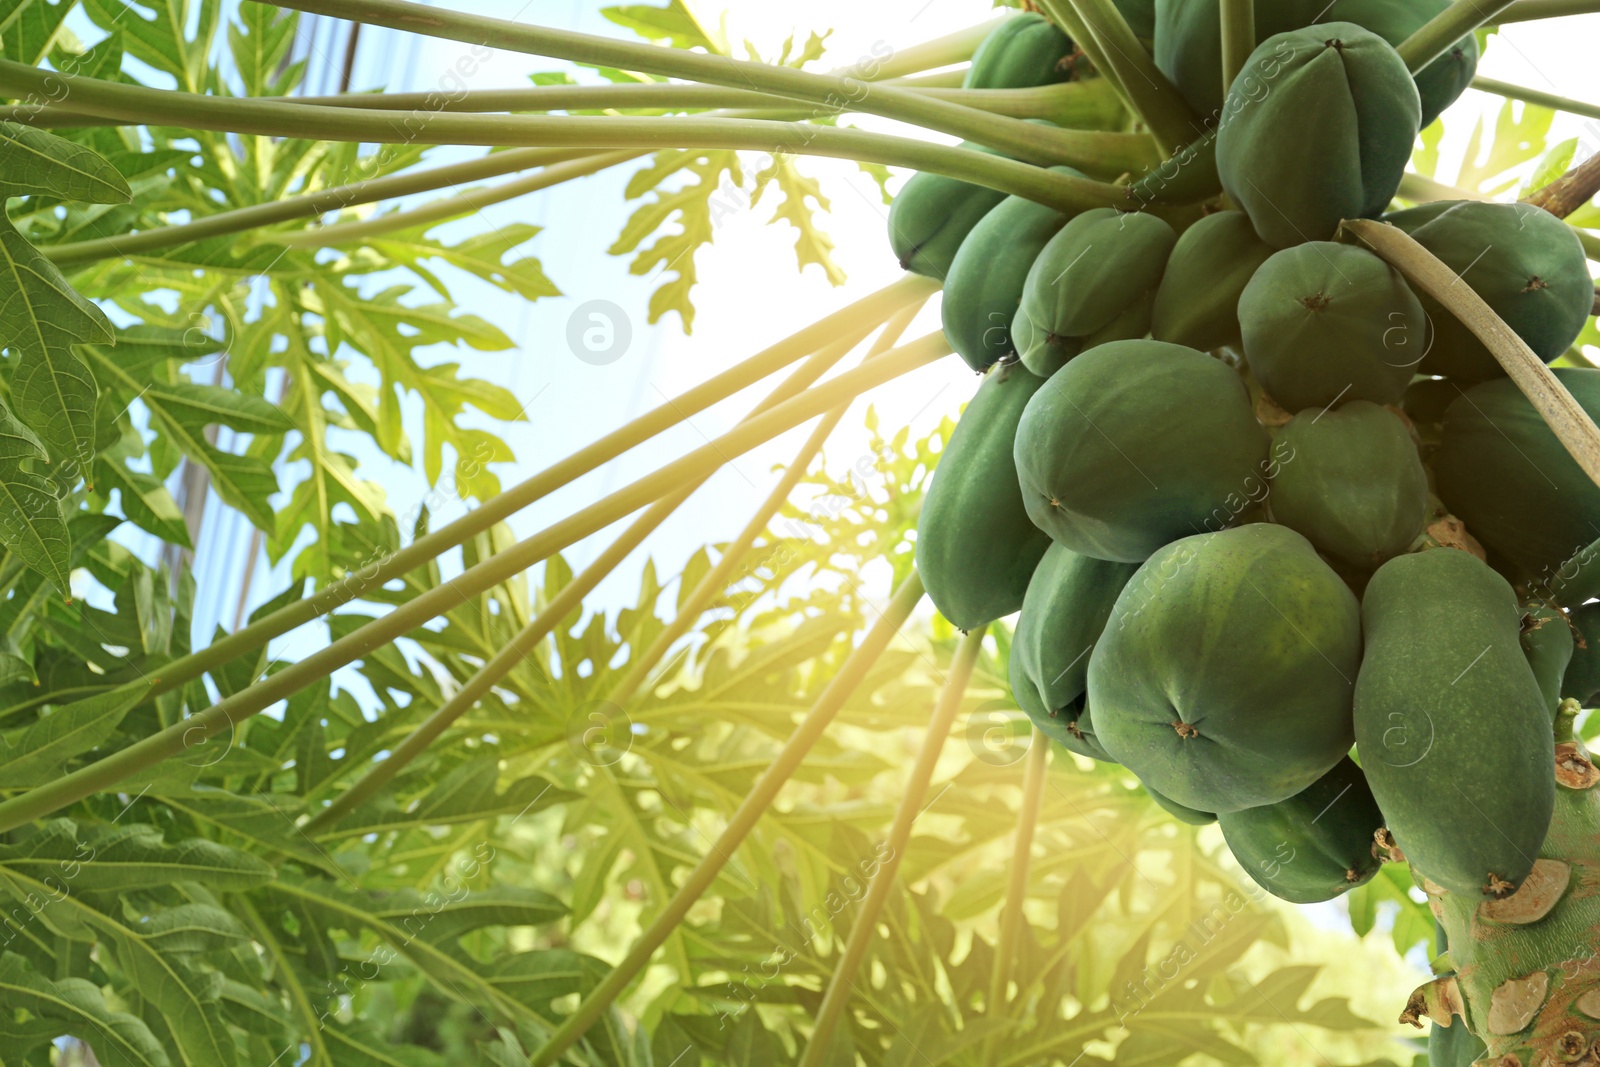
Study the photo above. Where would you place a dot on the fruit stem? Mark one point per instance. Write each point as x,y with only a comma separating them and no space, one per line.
839,689
1445,29
1154,98
1569,192
1011,918
1529,10
1570,423
1238,38
1534,96
827,94
864,924
139,105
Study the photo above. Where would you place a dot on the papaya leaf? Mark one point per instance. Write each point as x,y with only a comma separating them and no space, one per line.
134,857
76,1007
36,161
39,752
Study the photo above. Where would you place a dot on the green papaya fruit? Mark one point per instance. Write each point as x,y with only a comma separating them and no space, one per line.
1188,44
1187,177
1427,399
1503,471
1528,266
1582,680
1138,443
1179,812
1068,600
1547,642
976,547
1328,323
1314,846
1318,128
984,286
1024,51
1224,675
1101,263
932,214
1351,482
1071,727
1197,303
1441,82
1446,706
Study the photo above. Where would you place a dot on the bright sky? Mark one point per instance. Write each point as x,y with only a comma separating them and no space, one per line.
750,293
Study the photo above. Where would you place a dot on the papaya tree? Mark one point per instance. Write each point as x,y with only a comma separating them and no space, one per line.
1267,457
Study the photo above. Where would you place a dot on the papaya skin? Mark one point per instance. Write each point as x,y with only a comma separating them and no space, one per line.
1064,611
1316,845
1528,266
1581,681
984,286
1548,643
1224,676
1441,82
1197,304
1109,469
1447,706
932,214
1184,815
1318,128
1099,266
976,548
1352,482
1326,323
1502,470
1024,51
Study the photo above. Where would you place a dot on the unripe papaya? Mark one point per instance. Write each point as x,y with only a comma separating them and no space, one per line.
1024,51
1427,399
976,548
1582,680
1314,846
1071,727
1068,600
1440,82
1188,177
932,214
1179,812
1451,727
1197,303
1188,44
1328,323
1318,128
1503,471
1101,265
1547,642
1224,675
984,287
1351,481
1138,443
1528,266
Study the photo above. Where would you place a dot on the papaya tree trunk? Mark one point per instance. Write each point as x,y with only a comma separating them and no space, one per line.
1523,972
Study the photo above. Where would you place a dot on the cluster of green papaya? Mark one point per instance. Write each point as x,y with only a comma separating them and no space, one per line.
1284,539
